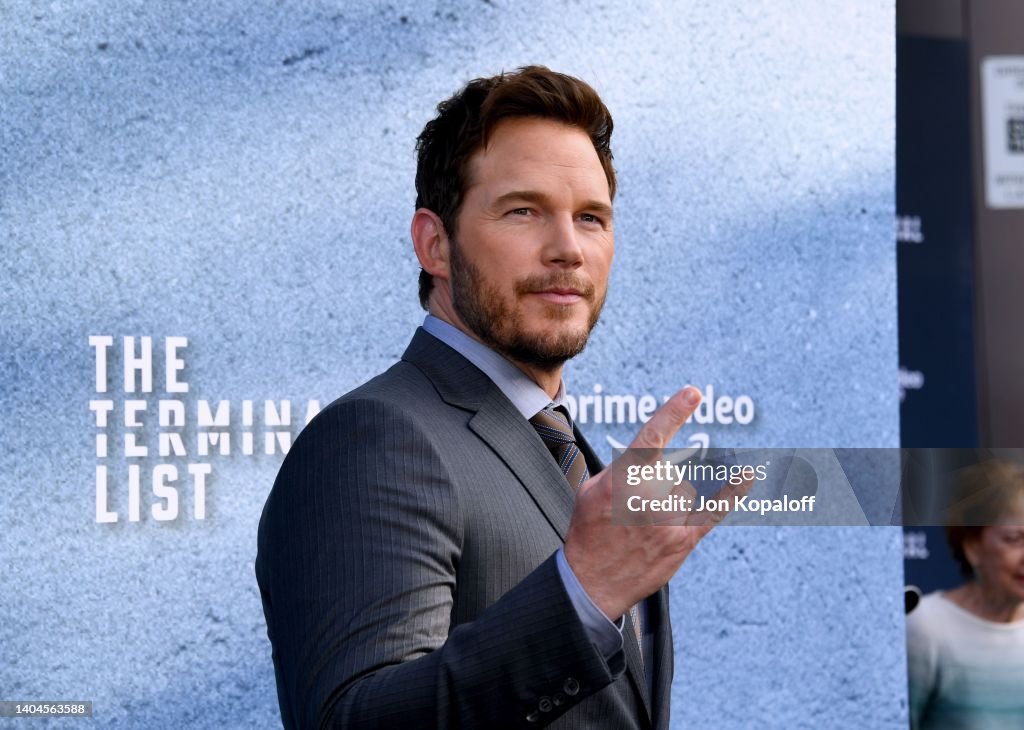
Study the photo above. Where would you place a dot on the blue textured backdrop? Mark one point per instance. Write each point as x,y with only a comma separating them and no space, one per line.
240,174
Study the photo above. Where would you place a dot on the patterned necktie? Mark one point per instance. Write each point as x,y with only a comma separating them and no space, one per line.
553,426
555,431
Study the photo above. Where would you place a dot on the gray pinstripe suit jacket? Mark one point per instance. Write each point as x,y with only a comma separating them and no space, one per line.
406,566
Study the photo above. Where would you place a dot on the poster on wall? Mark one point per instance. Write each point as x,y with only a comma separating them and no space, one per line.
1002,114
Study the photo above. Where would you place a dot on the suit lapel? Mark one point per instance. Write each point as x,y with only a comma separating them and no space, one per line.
514,439
497,423
663,657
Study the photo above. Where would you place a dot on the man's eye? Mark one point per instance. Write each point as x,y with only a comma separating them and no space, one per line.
520,211
590,218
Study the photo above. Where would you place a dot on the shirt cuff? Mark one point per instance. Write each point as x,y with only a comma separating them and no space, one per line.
604,634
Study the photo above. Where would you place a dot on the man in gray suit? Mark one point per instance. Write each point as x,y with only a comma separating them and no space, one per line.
438,549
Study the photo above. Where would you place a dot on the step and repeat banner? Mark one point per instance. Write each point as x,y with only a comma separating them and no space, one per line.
204,214
936,284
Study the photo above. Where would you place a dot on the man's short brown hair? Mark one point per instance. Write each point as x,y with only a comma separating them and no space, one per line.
465,121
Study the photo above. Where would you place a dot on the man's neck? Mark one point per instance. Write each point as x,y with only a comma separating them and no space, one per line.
548,379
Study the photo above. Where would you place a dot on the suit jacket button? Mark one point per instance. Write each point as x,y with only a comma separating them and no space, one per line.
545,704
558,698
532,717
571,687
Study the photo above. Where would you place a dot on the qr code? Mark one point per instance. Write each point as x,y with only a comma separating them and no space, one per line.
1015,135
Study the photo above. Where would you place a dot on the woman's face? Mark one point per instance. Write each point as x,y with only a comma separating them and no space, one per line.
997,555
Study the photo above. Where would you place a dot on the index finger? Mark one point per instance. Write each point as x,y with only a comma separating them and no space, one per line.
667,420
646,449
656,434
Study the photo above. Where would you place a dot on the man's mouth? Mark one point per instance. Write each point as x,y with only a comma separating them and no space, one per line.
560,295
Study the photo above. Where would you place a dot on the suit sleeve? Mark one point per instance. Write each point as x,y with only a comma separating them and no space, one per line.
358,563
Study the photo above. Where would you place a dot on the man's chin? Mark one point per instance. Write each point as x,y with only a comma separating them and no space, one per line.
547,350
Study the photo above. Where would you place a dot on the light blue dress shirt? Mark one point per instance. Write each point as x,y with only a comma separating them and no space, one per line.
529,399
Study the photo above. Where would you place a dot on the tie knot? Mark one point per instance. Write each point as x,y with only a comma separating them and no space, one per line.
553,426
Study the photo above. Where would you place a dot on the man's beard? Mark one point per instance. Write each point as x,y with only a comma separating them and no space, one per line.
498,323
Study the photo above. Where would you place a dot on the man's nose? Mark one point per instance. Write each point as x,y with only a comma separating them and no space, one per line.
563,245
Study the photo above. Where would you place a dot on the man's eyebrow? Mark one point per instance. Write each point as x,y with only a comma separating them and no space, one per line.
533,196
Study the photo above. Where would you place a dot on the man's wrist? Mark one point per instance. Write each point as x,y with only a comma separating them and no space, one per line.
605,634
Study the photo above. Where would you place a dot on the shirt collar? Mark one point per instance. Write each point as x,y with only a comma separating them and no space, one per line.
527,397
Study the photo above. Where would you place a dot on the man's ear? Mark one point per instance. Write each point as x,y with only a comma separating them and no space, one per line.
430,240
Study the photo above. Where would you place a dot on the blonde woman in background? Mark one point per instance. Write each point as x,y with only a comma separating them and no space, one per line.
966,646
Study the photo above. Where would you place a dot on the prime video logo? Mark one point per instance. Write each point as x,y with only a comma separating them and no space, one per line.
629,408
